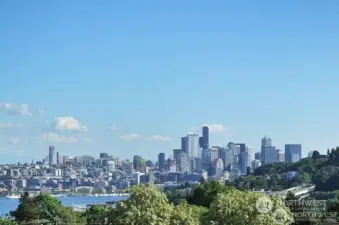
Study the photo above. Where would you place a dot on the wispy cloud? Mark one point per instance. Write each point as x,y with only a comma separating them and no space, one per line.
67,124
9,125
112,128
130,137
13,141
160,138
41,110
87,139
216,128
14,109
56,138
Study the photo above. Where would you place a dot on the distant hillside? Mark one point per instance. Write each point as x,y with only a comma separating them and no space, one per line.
321,170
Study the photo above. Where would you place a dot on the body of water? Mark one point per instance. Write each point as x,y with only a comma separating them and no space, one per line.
6,205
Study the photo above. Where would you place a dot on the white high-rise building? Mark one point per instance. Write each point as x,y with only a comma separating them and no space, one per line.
280,156
218,167
193,145
249,156
110,166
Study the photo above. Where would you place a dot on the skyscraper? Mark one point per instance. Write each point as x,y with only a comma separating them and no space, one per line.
266,141
176,153
217,167
51,155
184,163
280,156
161,162
268,152
249,156
257,156
292,152
192,145
57,158
243,158
205,137
184,144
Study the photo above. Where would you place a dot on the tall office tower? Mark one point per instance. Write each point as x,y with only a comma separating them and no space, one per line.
171,165
176,153
57,158
184,163
249,156
222,154
51,155
257,156
205,137
266,141
192,145
201,142
234,152
292,152
268,152
184,144
103,155
227,157
161,162
280,156
217,167
214,154
198,164
243,158
206,159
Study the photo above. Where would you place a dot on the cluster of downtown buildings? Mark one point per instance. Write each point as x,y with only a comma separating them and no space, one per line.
195,159
223,162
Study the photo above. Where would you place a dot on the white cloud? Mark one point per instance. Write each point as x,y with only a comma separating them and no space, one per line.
9,125
68,124
87,139
112,128
14,109
56,138
160,138
216,128
129,137
13,141
41,110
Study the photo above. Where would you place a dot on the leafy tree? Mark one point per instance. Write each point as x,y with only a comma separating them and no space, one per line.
146,205
241,208
315,155
7,220
185,214
97,214
248,170
26,209
204,194
43,207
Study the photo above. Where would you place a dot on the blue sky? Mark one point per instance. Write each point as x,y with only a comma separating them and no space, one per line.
71,69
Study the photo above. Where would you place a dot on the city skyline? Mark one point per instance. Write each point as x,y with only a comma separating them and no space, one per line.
132,79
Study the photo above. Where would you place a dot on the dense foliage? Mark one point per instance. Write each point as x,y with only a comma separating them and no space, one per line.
321,170
148,205
44,209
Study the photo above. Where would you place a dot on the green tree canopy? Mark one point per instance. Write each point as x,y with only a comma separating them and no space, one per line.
242,208
43,207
